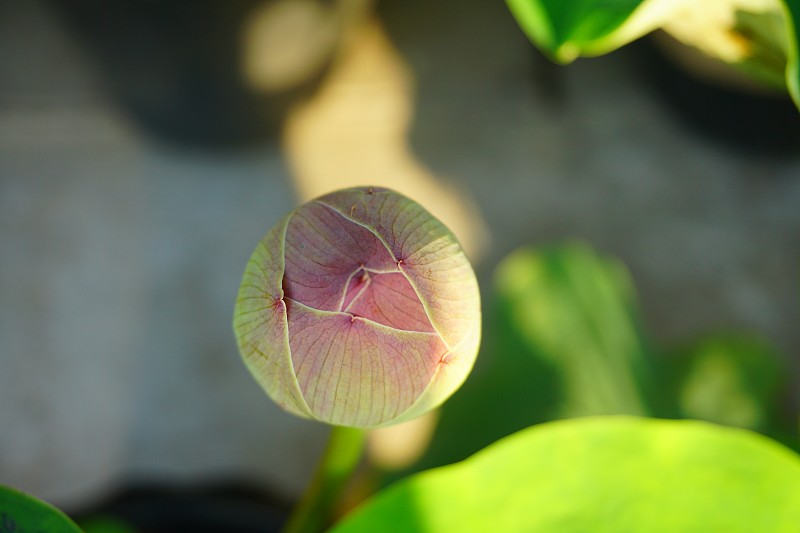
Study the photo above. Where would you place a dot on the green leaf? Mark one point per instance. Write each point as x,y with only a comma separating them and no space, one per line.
575,311
21,513
566,29
759,38
731,379
792,12
604,474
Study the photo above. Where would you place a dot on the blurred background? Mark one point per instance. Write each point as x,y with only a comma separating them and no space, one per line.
145,147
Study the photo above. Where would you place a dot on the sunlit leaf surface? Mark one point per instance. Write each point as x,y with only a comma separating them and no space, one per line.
603,474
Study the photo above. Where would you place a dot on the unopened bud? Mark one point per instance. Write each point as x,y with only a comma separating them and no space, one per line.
359,309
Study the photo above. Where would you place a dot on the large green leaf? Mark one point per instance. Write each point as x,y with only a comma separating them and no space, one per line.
604,474
757,37
20,513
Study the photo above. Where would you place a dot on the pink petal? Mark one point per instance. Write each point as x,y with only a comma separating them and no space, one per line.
333,264
356,372
431,257
390,300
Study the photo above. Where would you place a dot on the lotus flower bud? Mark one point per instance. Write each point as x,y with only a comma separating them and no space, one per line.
359,309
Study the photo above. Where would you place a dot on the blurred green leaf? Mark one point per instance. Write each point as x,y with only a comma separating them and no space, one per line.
757,37
21,513
730,379
766,35
793,53
603,474
575,311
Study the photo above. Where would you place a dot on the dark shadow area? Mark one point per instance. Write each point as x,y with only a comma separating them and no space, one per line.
175,67
162,508
756,124
464,61
474,38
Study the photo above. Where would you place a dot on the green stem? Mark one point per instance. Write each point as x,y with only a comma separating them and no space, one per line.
313,513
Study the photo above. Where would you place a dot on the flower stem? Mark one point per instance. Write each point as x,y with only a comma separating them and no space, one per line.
313,513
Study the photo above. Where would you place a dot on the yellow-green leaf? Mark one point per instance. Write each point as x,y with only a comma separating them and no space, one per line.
604,475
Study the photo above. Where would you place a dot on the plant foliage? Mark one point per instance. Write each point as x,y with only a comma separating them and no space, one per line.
602,474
